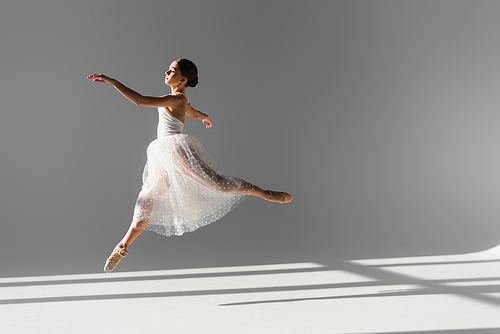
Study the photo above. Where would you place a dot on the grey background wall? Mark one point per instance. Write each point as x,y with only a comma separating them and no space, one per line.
380,117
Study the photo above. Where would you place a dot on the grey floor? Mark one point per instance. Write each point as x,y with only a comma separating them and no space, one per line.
431,294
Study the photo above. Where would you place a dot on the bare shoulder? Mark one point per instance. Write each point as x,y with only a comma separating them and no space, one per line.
180,101
167,101
176,104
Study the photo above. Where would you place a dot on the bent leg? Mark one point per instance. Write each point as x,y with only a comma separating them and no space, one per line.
153,188
142,212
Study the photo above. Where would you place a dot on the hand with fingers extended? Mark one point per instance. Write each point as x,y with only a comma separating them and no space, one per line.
101,78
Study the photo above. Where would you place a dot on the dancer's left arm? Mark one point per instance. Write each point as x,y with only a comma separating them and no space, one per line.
196,114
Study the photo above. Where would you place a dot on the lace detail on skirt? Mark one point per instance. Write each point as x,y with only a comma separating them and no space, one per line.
182,189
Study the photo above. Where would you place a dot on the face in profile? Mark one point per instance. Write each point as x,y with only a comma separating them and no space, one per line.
173,75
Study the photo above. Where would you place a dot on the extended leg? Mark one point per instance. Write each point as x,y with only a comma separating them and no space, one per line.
207,175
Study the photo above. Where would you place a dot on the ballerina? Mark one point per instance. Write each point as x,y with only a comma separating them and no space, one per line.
182,188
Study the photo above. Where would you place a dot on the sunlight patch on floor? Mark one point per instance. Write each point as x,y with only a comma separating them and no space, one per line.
420,294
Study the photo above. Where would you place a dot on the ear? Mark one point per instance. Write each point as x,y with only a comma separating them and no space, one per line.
184,80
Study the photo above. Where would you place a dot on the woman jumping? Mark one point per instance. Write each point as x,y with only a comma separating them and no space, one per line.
182,189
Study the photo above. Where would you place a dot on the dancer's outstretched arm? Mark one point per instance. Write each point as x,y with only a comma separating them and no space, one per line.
196,114
137,98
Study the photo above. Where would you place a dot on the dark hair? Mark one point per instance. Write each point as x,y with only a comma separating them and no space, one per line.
188,69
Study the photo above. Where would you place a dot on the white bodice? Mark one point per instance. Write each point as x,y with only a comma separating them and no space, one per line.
168,125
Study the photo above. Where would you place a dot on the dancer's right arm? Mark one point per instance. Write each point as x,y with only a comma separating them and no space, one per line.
135,97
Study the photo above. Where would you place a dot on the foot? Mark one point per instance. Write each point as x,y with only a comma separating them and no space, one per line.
279,196
118,253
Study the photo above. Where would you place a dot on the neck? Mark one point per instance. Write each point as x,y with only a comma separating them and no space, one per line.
177,90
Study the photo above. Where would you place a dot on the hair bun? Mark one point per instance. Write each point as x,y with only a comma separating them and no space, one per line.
188,69
193,82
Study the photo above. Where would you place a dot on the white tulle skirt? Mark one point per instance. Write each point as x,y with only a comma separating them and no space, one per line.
182,189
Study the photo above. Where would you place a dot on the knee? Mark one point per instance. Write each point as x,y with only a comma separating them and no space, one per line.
139,224
145,202
142,212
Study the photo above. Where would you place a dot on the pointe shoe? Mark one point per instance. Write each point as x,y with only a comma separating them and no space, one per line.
279,196
115,257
